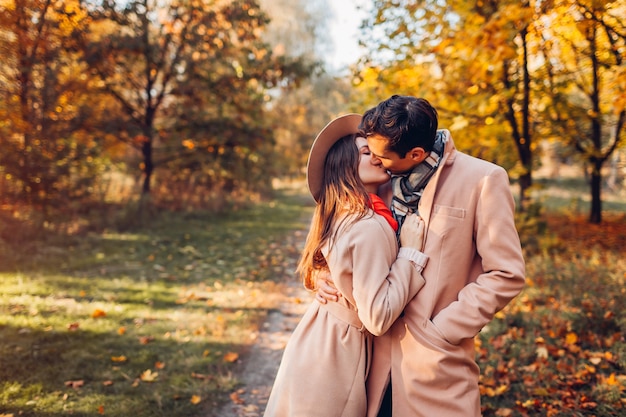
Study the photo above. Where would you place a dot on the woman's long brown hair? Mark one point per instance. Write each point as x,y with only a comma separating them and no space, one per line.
342,194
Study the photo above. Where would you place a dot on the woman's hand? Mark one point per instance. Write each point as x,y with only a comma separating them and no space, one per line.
326,290
412,232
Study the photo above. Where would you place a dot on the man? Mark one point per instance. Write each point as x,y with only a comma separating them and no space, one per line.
476,265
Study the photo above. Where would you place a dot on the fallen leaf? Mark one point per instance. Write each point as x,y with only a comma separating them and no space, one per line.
121,331
101,409
71,327
612,380
235,398
75,384
195,399
144,340
97,313
149,376
120,358
595,360
571,338
201,376
231,357
107,383
542,352
159,365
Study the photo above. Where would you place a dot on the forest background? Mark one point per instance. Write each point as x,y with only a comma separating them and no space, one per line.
117,115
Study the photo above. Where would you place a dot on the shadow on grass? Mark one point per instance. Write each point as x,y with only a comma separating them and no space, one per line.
51,373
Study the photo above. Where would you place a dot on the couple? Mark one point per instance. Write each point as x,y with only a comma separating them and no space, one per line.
456,209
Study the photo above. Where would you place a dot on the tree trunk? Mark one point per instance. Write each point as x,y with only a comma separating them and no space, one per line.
146,150
525,181
595,215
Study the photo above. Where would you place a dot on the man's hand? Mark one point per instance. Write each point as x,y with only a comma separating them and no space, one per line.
326,290
412,232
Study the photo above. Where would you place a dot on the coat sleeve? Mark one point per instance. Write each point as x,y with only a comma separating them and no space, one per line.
382,284
499,257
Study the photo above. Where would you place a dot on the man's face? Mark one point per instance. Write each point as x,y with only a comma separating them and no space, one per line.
391,160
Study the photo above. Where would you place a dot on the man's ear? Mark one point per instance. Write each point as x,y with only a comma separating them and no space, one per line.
417,154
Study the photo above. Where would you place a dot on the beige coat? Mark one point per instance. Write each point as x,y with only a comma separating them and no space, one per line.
325,363
475,268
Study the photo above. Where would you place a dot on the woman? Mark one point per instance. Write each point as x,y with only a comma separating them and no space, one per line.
352,235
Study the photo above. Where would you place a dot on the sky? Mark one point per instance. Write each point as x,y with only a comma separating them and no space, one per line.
344,31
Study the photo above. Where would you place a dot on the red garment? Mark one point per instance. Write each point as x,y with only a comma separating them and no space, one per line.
378,205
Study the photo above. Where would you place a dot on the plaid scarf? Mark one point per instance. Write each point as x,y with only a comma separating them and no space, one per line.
408,187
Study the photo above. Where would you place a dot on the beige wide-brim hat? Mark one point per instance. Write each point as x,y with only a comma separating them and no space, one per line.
331,133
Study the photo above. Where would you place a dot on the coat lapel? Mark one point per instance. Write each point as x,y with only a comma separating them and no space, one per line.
426,202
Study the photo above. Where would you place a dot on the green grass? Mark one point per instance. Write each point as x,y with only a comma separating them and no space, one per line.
573,195
82,318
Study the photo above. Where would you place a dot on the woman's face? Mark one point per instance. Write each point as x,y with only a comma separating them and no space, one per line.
371,172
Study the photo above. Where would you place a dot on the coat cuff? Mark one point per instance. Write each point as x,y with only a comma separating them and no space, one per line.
418,258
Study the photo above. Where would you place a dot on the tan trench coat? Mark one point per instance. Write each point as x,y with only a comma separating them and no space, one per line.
475,268
325,363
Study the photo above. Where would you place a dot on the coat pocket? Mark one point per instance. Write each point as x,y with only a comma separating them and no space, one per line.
435,337
449,211
446,220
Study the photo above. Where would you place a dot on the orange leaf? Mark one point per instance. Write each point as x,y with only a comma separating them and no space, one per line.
159,365
98,313
120,358
234,397
121,330
501,389
195,399
612,380
107,383
144,340
231,357
571,338
73,326
101,409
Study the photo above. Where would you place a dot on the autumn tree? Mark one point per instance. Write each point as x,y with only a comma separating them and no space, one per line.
584,54
192,79
494,66
471,59
48,157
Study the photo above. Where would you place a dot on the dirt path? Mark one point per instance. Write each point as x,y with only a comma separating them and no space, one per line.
258,368
261,364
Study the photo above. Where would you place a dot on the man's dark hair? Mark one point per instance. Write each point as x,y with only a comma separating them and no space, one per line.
407,122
